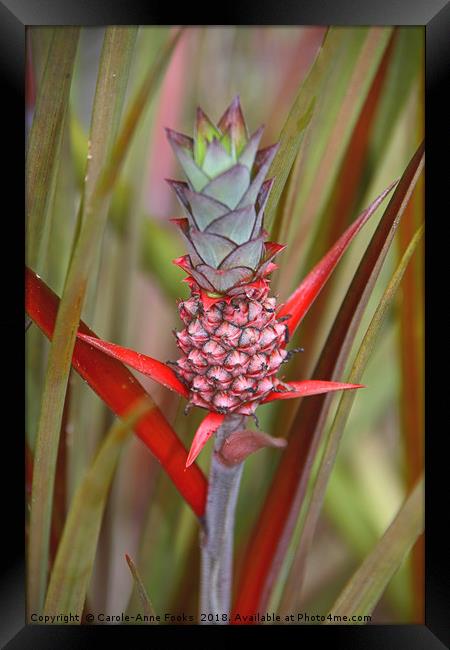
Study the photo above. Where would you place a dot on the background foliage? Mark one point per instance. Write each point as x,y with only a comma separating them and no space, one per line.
348,106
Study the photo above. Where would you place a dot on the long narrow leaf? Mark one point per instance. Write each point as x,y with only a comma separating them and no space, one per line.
358,87
298,119
274,527
119,389
292,592
141,590
74,561
153,368
411,348
365,588
404,72
309,387
301,300
343,95
46,136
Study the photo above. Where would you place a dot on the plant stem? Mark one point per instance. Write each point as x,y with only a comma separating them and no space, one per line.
218,531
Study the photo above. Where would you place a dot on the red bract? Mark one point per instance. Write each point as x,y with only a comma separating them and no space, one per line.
301,300
158,371
207,428
309,387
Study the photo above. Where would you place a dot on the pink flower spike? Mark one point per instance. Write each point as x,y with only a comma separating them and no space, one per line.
309,387
209,426
140,362
301,300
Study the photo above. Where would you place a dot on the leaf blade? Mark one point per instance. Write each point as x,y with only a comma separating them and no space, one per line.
292,591
141,362
141,590
365,588
74,560
46,135
363,72
309,387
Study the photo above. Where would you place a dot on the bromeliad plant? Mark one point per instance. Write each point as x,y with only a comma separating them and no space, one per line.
235,337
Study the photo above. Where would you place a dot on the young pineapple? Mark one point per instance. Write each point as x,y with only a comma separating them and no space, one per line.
233,342
234,338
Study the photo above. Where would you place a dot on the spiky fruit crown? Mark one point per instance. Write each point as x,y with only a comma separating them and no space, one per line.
224,201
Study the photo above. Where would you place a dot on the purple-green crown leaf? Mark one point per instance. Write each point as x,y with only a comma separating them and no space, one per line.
205,132
237,225
233,124
180,144
224,202
204,209
217,160
248,254
230,186
211,248
248,155
223,280
266,156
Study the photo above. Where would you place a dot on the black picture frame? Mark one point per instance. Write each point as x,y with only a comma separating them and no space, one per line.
15,15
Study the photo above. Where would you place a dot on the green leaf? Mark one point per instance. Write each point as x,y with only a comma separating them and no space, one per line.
216,160
290,140
365,588
141,590
337,54
330,133
205,132
403,73
292,593
111,83
74,560
135,112
39,43
46,135
61,230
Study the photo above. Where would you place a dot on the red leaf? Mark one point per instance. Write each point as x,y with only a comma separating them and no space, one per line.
209,426
309,387
141,362
303,297
119,389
